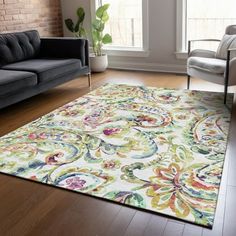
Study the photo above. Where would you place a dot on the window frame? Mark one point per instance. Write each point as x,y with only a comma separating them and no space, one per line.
129,51
181,27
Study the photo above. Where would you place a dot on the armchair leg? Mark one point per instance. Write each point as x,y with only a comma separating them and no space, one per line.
225,93
188,81
89,79
226,77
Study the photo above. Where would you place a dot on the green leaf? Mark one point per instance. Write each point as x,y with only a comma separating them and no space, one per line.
100,11
82,32
77,27
95,35
98,25
107,39
70,25
105,17
81,14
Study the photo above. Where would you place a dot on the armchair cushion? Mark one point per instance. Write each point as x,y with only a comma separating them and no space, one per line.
202,53
231,29
228,41
211,65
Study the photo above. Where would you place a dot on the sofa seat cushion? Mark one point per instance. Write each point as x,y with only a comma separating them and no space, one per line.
47,69
211,65
11,81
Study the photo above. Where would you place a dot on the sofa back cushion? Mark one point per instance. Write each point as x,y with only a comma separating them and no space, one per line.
18,46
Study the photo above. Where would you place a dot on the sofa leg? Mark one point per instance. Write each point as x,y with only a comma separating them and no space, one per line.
188,82
89,79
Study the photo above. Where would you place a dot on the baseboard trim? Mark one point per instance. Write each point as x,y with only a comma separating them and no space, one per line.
152,67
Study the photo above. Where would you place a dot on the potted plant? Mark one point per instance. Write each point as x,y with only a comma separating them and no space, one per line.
98,60
77,29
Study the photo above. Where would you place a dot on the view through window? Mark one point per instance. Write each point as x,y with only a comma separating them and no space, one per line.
125,24
209,18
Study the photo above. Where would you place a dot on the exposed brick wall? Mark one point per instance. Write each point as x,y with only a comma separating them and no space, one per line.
20,15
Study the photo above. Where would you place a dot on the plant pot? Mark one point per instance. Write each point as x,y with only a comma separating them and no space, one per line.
98,63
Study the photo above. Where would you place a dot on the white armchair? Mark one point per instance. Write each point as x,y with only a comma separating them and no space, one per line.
217,67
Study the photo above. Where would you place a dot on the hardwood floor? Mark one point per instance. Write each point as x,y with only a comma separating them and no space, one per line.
28,208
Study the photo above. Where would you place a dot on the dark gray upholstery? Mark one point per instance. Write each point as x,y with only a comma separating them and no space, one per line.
26,93
11,81
30,65
18,46
46,69
65,48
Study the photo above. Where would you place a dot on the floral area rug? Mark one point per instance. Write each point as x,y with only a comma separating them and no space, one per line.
157,149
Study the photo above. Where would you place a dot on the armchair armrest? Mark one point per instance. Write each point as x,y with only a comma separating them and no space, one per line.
200,40
231,49
195,40
60,47
202,53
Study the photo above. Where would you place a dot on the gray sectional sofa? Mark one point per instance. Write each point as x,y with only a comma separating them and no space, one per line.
30,65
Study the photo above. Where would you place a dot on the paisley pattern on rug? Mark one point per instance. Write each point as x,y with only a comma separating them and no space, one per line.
158,149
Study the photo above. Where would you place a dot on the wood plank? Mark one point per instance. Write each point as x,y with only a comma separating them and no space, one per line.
156,226
232,167
104,219
120,223
91,209
217,229
192,230
138,224
16,204
72,213
230,212
232,150
30,215
173,228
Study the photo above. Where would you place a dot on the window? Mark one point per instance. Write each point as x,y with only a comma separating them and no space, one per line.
127,25
203,19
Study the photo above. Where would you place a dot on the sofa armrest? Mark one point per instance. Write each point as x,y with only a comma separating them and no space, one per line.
62,47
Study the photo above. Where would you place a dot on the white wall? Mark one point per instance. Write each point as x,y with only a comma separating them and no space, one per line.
162,37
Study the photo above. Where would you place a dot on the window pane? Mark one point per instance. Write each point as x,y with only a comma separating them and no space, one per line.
209,18
125,23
